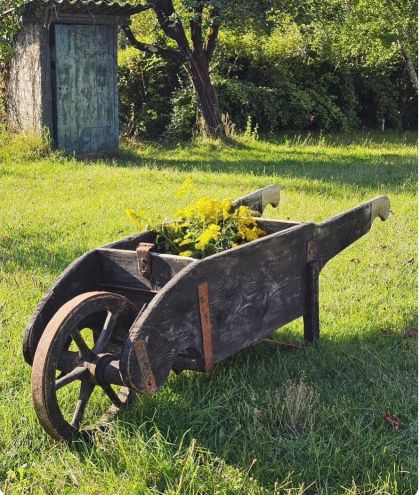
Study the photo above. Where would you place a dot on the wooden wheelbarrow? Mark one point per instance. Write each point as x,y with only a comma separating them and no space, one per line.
121,317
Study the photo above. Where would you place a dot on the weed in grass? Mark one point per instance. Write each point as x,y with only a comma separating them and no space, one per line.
298,408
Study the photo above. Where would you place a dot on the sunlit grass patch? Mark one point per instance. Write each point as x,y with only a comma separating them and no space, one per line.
267,420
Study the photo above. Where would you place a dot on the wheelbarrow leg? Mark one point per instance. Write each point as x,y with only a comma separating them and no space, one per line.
311,316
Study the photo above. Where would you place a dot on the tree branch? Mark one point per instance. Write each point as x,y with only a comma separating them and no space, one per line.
213,35
196,28
212,41
140,8
167,53
410,66
168,21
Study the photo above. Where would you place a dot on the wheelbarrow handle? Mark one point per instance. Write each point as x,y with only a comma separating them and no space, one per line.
338,232
380,207
258,200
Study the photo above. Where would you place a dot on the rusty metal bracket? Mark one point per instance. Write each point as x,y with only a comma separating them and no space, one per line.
206,330
149,381
312,252
143,259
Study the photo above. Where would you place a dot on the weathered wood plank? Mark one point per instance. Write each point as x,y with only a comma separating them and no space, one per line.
271,226
131,242
79,18
119,267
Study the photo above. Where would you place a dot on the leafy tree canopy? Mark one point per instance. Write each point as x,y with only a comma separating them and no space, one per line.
8,25
368,32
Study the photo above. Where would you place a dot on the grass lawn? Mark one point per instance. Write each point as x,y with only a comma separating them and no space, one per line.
267,420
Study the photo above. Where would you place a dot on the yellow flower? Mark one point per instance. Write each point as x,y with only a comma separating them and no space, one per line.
248,229
173,227
186,253
203,227
211,233
208,210
137,218
244,212
251,234
226,206
185,242
185,187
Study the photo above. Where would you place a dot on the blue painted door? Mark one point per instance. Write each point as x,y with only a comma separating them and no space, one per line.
86,88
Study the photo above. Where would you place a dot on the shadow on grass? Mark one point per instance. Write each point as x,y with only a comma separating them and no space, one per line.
249,408
387,170
248,414
29,252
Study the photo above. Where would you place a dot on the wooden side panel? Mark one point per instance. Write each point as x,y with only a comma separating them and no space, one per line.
257,291
252,290
87,99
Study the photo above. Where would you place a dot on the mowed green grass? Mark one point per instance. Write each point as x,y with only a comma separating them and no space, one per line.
265,421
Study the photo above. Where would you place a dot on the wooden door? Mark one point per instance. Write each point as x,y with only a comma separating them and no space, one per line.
86,88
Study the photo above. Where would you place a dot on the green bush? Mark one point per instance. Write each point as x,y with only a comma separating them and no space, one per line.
285,86
156,98
183,113
146,83
276,80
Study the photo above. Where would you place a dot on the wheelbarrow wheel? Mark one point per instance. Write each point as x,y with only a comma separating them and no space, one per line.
66,389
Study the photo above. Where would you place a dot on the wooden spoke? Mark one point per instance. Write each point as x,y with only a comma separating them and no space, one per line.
112,395
86,389
106,332
81,344
64,380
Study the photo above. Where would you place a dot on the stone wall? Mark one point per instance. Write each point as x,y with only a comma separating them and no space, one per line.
29,91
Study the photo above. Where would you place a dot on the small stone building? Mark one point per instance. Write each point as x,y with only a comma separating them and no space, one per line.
64,73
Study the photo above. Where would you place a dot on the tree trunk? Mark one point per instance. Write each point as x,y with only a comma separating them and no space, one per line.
410,67
198,71
196,60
